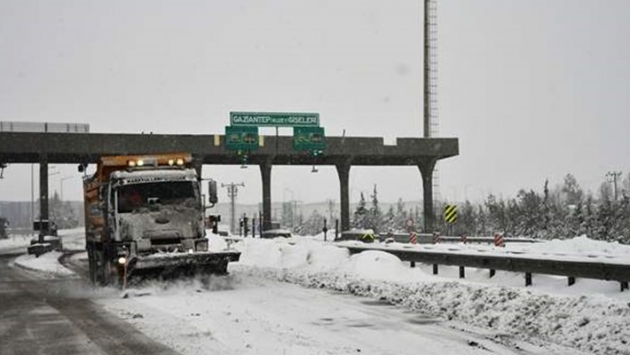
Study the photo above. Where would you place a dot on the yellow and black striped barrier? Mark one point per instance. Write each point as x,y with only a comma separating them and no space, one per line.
450,213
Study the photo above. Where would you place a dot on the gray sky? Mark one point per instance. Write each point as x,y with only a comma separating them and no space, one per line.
533,89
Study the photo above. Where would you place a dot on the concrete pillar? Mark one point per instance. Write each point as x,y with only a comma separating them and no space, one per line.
426,170
43,195
265,172
343,170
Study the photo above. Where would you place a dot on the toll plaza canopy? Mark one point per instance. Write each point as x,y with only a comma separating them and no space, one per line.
342,152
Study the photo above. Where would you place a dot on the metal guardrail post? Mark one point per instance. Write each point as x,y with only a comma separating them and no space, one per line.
462,272
528,279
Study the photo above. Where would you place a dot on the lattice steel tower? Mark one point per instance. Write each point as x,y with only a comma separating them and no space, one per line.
431,123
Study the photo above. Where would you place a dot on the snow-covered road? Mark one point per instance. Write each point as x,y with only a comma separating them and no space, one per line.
248,315
299,297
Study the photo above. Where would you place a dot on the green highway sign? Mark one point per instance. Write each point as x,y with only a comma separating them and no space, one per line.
274,119
241,138
309,138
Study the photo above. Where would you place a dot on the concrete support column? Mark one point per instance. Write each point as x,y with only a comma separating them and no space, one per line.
43,195
265,172
343,170
426,170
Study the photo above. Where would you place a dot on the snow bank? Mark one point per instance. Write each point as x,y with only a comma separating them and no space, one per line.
47,263
14,244
594,323
581,245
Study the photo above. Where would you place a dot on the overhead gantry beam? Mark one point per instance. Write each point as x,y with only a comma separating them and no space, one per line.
341,152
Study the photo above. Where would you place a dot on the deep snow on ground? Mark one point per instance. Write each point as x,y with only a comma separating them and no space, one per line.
592,316
48,263
14,244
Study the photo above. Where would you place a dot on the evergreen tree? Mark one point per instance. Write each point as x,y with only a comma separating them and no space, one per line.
572,190
360,214
529,213
375,216
401,216
625,186
482,225
389,220
313,224
497,214
605,213
466,220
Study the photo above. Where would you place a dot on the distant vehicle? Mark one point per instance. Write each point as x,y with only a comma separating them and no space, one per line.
363,235
276,233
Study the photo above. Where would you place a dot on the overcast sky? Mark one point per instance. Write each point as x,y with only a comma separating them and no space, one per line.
533,89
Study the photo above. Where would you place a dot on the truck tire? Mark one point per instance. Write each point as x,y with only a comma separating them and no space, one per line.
91,266
103,266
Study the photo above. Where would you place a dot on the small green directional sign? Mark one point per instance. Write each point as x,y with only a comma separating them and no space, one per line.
241,138
309,138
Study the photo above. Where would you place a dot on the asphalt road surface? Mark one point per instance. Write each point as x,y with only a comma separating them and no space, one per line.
40,315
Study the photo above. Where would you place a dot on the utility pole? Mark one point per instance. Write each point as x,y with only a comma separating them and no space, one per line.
614,175
232,190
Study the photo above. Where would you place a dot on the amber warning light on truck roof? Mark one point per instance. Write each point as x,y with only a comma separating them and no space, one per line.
153,162
173,159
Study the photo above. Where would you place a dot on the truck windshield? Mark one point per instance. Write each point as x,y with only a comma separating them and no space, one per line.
134,196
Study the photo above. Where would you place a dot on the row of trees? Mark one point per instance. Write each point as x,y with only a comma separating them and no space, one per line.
561,212
366,216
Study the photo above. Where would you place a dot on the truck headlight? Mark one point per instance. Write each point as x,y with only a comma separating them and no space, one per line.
122,260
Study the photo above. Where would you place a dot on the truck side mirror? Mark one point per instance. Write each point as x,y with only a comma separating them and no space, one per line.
212,192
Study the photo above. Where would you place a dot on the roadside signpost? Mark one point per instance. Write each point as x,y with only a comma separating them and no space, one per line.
450,213
450,216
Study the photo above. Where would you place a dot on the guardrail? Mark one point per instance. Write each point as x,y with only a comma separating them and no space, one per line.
529,265
426,238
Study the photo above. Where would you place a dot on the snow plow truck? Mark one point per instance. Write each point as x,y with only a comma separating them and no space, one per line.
144,216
